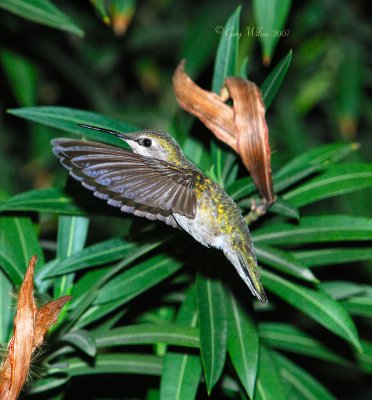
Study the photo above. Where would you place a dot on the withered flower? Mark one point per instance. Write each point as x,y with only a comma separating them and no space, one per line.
30,326
242,127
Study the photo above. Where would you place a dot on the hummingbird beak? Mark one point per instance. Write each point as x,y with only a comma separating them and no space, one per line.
118,134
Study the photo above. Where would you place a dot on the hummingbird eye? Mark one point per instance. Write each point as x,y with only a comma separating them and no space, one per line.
145,142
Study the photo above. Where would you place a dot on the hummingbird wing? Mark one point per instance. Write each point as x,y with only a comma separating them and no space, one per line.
139,185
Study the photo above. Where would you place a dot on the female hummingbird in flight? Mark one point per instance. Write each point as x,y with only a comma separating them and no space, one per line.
155,180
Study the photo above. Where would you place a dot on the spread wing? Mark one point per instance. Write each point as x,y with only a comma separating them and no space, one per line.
138,185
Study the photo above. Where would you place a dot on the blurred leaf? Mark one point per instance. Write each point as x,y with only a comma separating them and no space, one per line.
319,257
284,262
300,381
317,305
6,306
182,371
270,17
141,364
324,228
240,188
42,12
336,180
272,83
340,290
287,337
365,357
227,52
322,155
350,89
22,77
242,342
360,306
67,119
168,333
42,200
47,383
138,279
18,243
213,325
269,386
101,253
82,340
284,208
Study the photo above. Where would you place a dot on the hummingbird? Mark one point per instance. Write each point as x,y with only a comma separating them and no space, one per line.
155,180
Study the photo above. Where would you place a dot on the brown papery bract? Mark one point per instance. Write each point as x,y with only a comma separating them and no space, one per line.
30,326
242,127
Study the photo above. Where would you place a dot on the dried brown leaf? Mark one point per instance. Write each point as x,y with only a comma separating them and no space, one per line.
253,133
207,106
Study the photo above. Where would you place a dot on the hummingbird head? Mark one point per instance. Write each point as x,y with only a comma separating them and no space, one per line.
149,143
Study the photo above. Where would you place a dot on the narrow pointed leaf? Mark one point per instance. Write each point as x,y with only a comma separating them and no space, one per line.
269,385
272,83
18,243
287,337
42,200
213,327
284,262
174,334
242,342
43,12
336,180
360,306
333,256
136,280
326,228
227,53
300,381
67,119
317,305
6,304
140,364
82,340
365,357
270,16
182,371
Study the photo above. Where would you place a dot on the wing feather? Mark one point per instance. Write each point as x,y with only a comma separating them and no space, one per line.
139,185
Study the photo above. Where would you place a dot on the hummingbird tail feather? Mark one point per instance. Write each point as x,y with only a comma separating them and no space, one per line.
250,274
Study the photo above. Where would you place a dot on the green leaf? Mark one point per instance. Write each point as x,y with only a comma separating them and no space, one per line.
213,327
340,290
72,234
115,364
360,306
182,371
300,381
287,337
272,83
6,307
365,357
47,383
284,262
326,228
138,279
269,385
22,76
168,333
241,188
322,155
242,342
336,180
67,119
82,340
18,243
101,253
284,208
42,200
270,17
320,257
42,12
317,305
227,52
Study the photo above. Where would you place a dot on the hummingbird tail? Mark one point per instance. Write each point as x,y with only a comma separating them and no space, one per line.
244,260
